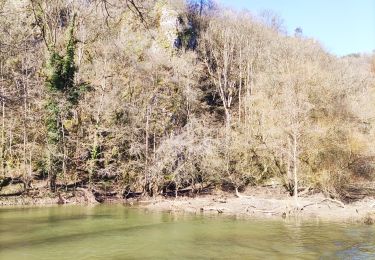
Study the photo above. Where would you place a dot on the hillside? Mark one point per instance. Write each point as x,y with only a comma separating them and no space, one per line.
146,98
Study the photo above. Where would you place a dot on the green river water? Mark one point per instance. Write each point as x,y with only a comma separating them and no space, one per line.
118,232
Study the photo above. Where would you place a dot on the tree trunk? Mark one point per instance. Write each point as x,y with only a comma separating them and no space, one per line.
295,167
227,137
52,182
25,96
240,89
147,136
2,149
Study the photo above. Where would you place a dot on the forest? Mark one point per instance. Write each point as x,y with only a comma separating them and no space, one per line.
124,98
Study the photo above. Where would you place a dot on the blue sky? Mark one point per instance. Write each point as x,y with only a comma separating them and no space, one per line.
342,26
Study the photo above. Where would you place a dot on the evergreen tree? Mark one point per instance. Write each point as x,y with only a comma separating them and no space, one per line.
60,84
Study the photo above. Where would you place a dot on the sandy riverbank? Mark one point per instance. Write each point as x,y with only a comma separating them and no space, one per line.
311,207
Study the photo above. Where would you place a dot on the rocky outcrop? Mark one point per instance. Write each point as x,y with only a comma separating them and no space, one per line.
169,25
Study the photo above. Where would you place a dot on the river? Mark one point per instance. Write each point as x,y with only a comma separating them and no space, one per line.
118,232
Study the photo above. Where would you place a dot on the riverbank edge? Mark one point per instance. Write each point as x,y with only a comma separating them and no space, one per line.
312,207
309,208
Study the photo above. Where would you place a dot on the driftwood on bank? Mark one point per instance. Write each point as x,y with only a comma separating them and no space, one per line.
337,202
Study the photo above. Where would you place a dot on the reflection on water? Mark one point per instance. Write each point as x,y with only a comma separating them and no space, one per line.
117,232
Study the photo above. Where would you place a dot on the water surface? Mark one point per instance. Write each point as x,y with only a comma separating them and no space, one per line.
117,232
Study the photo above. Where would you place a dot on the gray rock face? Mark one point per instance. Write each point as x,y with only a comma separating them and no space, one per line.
169,25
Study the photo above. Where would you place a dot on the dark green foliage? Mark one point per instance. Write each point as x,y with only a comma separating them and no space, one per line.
55,80
60,79
188,38
52,122
75,93
61,69
69,67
